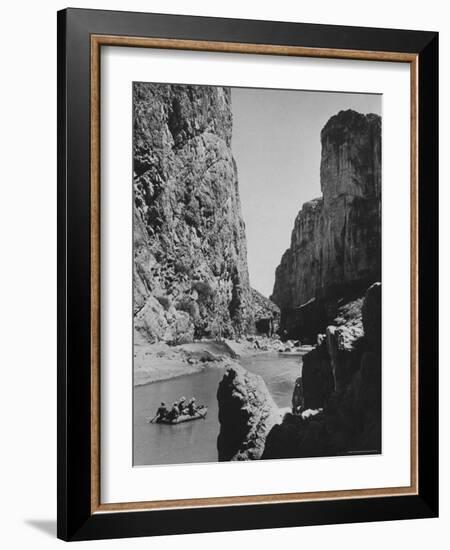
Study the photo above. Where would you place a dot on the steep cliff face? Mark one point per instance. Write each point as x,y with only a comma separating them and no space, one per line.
335,246
190,266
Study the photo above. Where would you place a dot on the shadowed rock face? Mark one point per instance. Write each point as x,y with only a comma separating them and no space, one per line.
266,314
335,246
190,266
247,413
349,421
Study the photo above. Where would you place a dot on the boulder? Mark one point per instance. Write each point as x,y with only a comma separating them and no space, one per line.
247,413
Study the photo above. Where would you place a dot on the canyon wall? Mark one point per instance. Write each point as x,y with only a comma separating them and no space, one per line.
190,257
335,250
339,393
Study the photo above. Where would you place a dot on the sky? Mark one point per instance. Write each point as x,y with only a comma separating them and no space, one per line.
276,145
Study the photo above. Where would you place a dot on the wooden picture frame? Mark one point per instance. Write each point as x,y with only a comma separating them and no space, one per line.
81,35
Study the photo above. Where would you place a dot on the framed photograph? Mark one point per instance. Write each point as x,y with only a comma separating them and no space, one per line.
247,255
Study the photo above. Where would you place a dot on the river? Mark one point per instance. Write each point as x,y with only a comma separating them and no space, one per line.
196,441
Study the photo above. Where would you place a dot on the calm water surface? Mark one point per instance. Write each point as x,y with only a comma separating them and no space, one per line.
196,441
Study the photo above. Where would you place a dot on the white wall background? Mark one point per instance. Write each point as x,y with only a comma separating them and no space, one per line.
28,275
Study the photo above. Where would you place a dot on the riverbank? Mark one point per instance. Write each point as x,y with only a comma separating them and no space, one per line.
157,362
254,345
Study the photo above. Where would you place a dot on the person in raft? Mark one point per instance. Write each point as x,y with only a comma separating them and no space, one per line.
174,412
182,405
192,409
162,412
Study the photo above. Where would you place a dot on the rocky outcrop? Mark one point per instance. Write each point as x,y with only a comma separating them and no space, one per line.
266,314
190,266
335,250
339,392
317,378
247,413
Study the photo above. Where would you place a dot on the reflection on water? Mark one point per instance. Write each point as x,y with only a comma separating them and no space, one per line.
196,441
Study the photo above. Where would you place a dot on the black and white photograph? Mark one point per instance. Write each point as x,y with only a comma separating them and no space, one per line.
224,285
257,273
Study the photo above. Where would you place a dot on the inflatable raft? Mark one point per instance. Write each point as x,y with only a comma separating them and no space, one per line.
201,413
